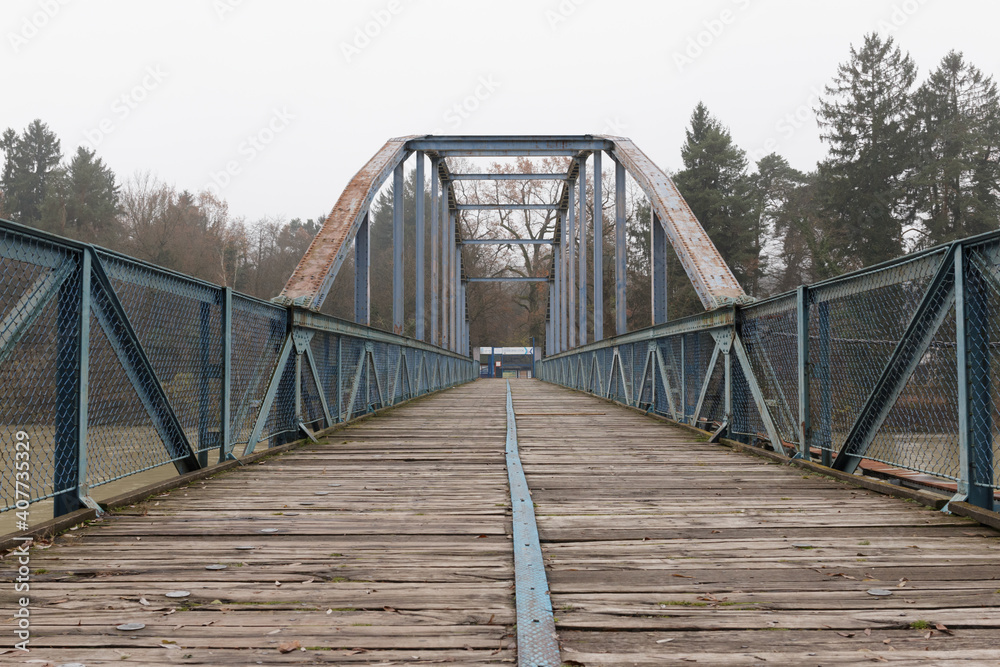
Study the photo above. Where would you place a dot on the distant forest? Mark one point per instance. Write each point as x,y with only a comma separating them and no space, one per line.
909,165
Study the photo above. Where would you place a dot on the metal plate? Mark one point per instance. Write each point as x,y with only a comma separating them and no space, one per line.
128,627
537,645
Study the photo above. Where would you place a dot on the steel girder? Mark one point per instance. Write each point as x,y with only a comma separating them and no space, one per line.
711,277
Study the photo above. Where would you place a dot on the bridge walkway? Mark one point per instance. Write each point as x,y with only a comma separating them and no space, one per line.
389,543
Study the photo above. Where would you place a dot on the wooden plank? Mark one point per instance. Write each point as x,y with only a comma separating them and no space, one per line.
391,543
662,549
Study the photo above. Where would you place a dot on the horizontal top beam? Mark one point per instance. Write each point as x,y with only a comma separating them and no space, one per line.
506,207
508,177
508,279
506,152
507,241
515,145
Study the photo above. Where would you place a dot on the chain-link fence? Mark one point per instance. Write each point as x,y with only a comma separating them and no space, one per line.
110,366
893,365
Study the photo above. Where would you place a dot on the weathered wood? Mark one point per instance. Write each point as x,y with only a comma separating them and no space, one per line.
662,549
392,544
393,547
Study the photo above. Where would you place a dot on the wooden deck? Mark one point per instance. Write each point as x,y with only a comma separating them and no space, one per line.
392,546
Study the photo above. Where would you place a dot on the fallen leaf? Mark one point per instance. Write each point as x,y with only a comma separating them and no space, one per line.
388,608
943,628
682,575
846,634
886,641
274,632
868,632
277,583
664,641
308,581
144,602
288,647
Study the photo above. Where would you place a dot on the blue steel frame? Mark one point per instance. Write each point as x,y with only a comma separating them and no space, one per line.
814,377
284,370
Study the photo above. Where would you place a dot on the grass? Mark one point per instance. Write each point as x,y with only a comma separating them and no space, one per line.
864,543
921,625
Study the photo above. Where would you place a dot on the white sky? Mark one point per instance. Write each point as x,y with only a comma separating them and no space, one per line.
202,76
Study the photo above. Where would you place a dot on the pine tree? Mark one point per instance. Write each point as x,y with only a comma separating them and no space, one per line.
865,117
31,164
958,123
716,186
82,200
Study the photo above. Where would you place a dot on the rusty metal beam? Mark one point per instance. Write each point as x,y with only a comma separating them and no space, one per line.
313,277
713,281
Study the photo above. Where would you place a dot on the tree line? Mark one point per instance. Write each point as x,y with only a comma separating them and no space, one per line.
909,165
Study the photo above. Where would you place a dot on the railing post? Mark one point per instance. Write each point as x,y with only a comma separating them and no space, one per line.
684,399
226,436
72,368
975,403
208,370
823,372
802,328
557,325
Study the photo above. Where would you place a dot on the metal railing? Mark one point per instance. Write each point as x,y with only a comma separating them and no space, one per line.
110,366
897,363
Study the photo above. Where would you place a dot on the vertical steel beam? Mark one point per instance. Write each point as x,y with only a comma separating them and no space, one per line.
557,269
823,371
207,369
802,326
83,391
226,441
362,273
397,249
456,279
621,239
445,269
598,251
435,253
975,400
684,396
581,224
419,315
549,336
563,284
571,267
658,269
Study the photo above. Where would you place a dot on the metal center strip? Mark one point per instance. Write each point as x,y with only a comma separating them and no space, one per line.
537,645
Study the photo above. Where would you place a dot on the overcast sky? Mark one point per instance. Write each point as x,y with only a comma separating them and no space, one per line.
278,104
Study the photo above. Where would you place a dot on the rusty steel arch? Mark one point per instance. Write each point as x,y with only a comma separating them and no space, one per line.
312,279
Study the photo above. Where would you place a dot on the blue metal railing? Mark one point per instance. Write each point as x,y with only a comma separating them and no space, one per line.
897,363
110,366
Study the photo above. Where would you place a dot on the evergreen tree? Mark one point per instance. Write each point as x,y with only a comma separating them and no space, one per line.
958,125
82,200
865,117
31,164
716,186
